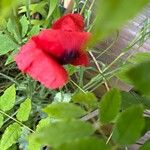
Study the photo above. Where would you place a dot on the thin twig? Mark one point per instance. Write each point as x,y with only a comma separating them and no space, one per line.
99,69
109,138
90,115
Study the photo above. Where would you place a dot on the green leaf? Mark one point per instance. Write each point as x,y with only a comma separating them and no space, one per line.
84,144
14,28
9,60
5,7
71,69
146,146
129,125
147,125
139,57
52,6
43,123
35,30
87,99
140,77
132,98
13,147
24,110
62,132
22,141
6,44
7,100
135,59
10,136
10,57
35,8
1,120
56,13
110,106
128,100
112,14
33,144
145,101
64,110
24,24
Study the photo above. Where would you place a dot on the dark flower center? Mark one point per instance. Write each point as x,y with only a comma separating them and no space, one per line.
68,57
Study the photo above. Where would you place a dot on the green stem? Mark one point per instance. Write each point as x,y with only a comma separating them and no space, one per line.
91,4
81,73
9,78
77,86
20,123
113,62
28,10
83,7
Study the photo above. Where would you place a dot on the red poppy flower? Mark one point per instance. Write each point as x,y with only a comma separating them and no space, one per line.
44,55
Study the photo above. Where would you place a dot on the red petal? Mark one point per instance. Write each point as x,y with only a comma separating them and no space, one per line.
58,42
81,60
49,41
47,71
69,22
40,66
26,55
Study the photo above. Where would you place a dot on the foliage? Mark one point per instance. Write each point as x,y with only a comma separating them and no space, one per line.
73,117
119,15
110,106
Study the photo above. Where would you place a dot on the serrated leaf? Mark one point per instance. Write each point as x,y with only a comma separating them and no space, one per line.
10,136
52,6
112,14
14,28
139,75
62,132
128,100
9,60
109,106
56,13
87,99
33,144
129,125
24,110
13,147
42,123
64,110
145,146
7,100
84,144
24,24
35,8
147,126
10,57
35,30
135,59
1,120
6,44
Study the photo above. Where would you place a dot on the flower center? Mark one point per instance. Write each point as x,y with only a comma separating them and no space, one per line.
69,56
